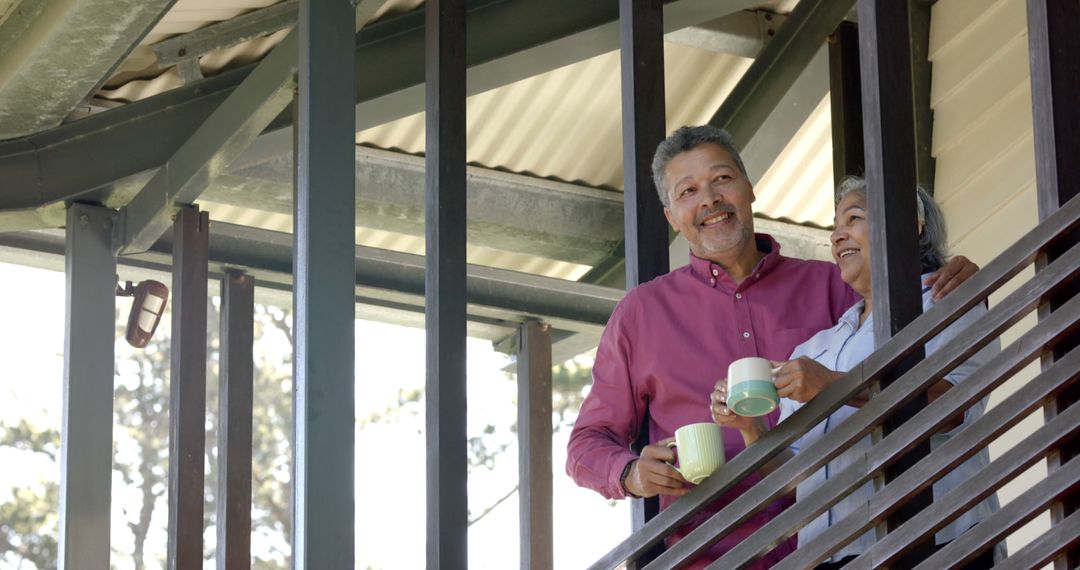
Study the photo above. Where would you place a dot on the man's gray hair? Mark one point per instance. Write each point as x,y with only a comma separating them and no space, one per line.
933,248
683,140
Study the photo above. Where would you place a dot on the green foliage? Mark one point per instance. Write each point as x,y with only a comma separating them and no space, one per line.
29,520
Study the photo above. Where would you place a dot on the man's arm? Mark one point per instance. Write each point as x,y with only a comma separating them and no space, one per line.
610,419
957,270
611,415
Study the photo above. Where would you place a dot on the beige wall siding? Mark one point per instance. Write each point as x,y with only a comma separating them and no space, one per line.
985,179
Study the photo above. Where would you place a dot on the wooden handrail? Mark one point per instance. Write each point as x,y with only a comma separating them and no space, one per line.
997,272
1010,517
998,319
1046,547
1000,471
926,472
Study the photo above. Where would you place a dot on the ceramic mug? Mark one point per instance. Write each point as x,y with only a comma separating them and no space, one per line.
750,388
701,450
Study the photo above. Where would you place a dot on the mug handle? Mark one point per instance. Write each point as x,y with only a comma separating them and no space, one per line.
671,445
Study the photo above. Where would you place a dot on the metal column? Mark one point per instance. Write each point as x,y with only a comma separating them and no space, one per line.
641,37
324,269
86,452
236,375
534,445
885,61
187,389
444,277
1053,46
845,99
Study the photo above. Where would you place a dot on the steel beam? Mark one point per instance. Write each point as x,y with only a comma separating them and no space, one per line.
445,293
778,66
498,300
187,389
889,141
325,221
79,157
1055,87
235,401
534,446
86,450
743,33
510,212
781,123
223,34
54,54
226,132
257,23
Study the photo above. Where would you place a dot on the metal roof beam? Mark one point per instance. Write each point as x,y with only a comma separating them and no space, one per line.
54,54
224,134
507,41
743,33
385,279
511,212
255,24
778,66
202,41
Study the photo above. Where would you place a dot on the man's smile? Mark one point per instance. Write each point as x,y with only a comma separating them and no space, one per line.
716,218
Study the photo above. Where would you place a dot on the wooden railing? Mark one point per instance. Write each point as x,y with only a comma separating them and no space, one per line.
1054,379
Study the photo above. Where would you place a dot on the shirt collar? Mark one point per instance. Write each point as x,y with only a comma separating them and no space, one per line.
850,317
712,274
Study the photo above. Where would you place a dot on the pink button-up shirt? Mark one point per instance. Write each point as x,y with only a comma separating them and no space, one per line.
668,342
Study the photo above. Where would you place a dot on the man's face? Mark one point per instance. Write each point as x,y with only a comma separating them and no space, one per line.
710,202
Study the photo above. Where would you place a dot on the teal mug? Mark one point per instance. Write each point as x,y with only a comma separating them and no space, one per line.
750,388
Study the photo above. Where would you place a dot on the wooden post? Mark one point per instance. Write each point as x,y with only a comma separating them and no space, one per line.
885,61
1053,45
187,389
641,36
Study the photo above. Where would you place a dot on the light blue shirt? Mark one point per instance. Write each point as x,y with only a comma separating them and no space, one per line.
842,347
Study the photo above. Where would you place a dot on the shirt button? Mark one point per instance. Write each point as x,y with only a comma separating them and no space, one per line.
712,281
715,272
746,335
757,276
738,295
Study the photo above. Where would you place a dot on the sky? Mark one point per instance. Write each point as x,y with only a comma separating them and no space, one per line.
389,522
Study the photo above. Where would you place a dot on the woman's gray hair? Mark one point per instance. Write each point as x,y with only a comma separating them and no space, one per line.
683,140
933,248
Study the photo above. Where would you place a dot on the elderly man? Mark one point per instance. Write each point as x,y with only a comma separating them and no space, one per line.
670,339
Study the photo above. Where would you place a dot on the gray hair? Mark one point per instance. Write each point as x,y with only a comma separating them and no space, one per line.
686,139
933,249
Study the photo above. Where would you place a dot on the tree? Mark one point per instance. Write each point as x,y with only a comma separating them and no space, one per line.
29,521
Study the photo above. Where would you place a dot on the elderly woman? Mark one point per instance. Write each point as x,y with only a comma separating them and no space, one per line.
832,352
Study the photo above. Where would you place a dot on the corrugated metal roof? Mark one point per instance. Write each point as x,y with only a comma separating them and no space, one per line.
6,8
564,124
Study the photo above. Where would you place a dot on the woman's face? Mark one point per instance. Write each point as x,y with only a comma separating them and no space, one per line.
851,242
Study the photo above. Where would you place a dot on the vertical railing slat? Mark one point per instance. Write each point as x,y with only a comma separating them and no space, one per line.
187,388
235,399
534,445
